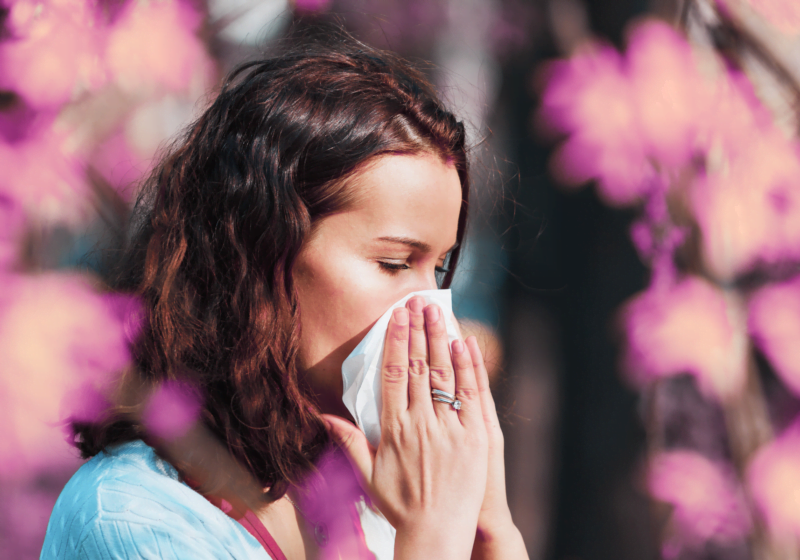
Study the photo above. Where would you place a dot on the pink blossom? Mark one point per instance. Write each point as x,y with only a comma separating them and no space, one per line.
312,5
735,117
61,344
589,96
55,53
120,163
628,118
44,176
708,505
153,47
671,97
774,323
329,496
171,410
748,211
691,327
773,478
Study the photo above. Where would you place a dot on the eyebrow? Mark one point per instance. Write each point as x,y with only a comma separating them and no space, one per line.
415,243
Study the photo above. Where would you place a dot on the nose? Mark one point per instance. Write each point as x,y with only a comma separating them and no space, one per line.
426,282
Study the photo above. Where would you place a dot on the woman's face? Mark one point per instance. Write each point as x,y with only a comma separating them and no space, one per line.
360,261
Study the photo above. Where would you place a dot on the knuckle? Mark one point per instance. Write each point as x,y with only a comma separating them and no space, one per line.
418,366
395,373
347,440
392,430
467,393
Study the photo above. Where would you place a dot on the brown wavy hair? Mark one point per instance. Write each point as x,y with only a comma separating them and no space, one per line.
217,227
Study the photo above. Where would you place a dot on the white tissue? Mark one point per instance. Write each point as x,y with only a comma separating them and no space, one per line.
361,370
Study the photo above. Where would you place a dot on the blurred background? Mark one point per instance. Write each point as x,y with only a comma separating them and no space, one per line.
629,266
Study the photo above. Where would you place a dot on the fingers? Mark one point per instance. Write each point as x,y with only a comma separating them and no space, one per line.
419,385
482,377
394,369
441,364
467,392
353,442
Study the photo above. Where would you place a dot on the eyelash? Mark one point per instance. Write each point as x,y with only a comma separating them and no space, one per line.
394,268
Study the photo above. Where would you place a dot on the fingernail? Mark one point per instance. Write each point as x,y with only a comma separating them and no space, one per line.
416,305
400,316
432,314
458,347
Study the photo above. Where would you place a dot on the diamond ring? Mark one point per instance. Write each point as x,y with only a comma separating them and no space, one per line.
445,397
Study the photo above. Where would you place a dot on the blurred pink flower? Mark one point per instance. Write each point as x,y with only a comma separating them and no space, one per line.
62,344
171,410
773,478
691,327
55,53
774,323
331,496
153,47
589,97
630,117
120,163
312,5
735,117
45,177
708,505
131,149
671,97
748,211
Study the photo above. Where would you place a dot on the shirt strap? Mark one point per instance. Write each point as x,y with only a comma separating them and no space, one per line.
255,527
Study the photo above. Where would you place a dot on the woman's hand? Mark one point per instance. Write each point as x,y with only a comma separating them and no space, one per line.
428,474
497,536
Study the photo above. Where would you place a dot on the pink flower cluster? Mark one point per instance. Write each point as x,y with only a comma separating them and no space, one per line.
626,113
774,324
773,478
81,69
708,504
672,129
171,410
44,176
664,110
62,345
690,327
62,49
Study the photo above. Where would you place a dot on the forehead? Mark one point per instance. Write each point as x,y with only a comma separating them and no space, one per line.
409,195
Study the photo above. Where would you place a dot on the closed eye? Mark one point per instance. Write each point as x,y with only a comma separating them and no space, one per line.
392,268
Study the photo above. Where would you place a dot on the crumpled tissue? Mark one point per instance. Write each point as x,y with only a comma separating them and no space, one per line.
361,370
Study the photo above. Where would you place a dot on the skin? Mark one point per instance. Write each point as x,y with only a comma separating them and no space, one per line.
350,271
437,475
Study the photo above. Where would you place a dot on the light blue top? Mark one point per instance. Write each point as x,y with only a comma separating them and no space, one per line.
127,503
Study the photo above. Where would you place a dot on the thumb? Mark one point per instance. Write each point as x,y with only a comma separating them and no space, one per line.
355,446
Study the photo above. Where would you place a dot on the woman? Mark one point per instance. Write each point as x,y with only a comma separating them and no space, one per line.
321,186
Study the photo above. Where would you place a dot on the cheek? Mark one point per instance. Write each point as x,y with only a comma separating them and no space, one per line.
337,303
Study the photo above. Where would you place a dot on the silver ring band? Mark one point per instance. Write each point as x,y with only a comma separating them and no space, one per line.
445,394
455,403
